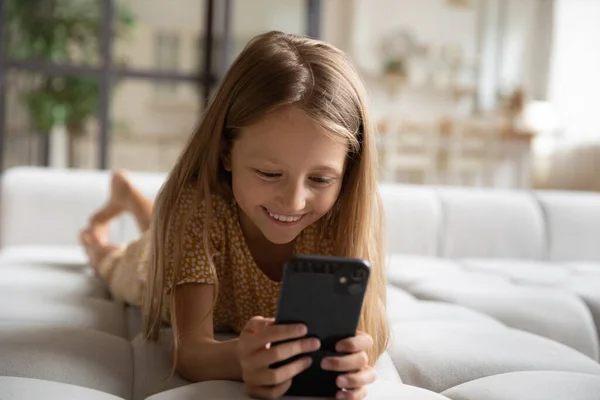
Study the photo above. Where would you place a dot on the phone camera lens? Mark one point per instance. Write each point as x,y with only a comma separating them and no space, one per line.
359,274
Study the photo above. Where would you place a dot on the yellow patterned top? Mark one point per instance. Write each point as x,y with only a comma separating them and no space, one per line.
244,290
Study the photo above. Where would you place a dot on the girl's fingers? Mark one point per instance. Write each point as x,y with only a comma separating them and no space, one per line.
277,376
280,333
360,342
259,332
350,362
358,379
284,351
251,334
256,324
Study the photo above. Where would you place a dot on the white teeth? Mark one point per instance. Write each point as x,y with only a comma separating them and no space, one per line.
284,218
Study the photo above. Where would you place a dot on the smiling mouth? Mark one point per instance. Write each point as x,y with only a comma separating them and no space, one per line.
288,219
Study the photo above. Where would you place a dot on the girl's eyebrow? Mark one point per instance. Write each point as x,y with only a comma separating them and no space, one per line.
270,160
276,163
327,168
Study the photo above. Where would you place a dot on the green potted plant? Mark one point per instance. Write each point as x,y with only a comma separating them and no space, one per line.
395,74
66,32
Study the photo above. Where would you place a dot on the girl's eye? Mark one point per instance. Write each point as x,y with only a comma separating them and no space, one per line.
268,175
322,180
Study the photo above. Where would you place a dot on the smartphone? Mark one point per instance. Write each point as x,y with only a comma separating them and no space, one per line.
326,294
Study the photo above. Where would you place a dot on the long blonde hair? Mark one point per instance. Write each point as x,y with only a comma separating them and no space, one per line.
275,70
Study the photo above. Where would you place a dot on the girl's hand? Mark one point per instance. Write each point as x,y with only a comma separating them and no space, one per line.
256,355
356,365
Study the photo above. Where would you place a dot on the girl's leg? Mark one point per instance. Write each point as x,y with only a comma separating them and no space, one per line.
119,268
141,208
123,197
95,247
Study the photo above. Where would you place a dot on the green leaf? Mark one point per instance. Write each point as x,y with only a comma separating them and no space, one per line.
65,31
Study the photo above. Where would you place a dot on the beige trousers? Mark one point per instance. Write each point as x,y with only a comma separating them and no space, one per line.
125,271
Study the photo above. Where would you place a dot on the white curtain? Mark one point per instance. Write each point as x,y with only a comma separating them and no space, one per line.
574,84
519,52
571,161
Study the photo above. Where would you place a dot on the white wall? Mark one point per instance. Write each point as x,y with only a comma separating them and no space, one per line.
337,24
360,27
431,21
507,44
253,17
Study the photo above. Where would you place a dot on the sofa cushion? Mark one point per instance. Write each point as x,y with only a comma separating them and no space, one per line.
134,320
407,207
530,385
34,389
420,311
407,270
152,366
587,268
438,356
398,296
386,370
588,289
491,224
520,272
214,390
83,312
397,300
572,225
521,307
68,256
76,356
51,280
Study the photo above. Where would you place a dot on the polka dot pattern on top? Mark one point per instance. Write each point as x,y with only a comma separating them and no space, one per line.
244,291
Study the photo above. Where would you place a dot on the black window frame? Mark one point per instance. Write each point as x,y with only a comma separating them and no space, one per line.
106,72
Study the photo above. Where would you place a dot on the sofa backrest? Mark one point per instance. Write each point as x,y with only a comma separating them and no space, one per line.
572,222
462,222
49,207
492,223
40,206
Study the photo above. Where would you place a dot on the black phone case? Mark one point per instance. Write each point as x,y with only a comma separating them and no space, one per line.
326,294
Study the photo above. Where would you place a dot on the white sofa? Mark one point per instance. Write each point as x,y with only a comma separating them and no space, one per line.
493,295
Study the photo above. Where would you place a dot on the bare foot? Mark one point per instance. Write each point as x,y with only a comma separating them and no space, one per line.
118,202
95,247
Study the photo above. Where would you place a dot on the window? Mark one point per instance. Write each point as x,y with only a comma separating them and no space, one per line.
113,54
166,58
574,85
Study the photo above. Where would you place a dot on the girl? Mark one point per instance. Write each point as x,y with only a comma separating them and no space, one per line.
283,162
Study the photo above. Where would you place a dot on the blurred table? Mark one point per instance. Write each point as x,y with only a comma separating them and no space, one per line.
511,165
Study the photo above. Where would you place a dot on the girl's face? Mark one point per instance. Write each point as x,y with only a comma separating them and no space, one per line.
286,174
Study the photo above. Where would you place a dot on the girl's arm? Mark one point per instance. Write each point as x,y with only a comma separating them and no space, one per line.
200,357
